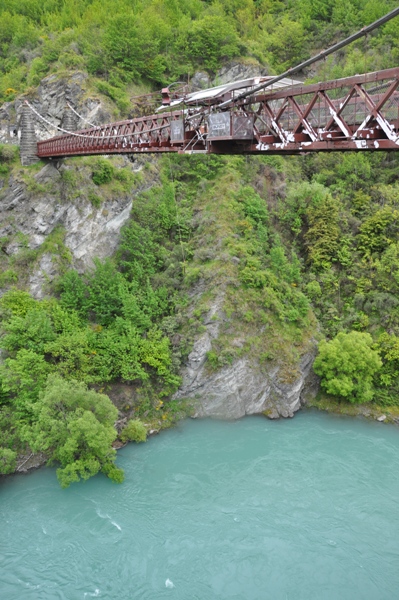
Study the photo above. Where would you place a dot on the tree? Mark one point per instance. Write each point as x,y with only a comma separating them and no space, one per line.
209,40
31,332
347,365
388,346
378,231
288,43
7,461
323,235
74,426
132,49
22,378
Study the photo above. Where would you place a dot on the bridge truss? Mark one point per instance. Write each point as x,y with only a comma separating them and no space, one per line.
355,113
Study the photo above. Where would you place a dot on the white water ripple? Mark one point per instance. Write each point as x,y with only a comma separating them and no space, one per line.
108,518
94,594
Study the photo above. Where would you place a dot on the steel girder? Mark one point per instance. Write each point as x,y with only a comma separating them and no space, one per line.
355,113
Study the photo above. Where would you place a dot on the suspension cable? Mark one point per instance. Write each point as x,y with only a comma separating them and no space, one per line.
97,127
310,61
80,116
81,135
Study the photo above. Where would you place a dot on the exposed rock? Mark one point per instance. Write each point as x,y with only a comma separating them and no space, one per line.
271,413
242,388
200,80
236,71
232,71
311,387
43,274
117,445
27,462
28,215
50,101
382,418
31,210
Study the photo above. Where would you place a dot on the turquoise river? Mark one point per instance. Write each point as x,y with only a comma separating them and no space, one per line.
255,509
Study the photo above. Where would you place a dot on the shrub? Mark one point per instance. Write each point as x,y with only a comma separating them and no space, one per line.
347,365
103,172
8,153
7,461
134,431
94,199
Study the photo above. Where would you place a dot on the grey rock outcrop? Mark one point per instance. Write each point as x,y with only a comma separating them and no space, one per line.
200,80
32,206
236,71
29,216
245,387
232,71
50,101
242,388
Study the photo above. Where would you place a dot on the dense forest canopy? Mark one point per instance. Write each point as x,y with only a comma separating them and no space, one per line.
125,42
315,239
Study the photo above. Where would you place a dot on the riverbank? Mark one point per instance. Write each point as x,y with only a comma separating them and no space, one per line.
27,461
372,411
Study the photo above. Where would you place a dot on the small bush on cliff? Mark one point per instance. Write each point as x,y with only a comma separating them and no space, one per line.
347,365
103,172
8,153
135,431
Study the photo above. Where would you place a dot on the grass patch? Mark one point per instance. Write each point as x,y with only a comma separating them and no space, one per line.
370,410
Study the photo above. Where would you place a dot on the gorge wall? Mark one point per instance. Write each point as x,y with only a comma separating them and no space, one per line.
54,217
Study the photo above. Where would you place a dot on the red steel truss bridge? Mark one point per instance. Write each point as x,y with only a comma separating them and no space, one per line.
355,113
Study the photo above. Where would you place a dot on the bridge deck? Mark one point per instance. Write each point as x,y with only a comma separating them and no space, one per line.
355,113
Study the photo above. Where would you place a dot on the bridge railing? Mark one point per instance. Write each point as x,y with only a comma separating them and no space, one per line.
355,113
343,114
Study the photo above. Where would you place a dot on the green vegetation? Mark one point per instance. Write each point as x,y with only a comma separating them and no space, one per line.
109,325
103,172
134,431
7,461
75,427
272,260
342,223
347,364
123,42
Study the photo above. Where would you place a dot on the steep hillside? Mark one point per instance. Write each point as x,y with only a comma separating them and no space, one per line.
184,284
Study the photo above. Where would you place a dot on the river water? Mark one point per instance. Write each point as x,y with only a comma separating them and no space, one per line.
295,509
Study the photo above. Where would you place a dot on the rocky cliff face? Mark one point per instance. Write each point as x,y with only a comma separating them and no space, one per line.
50,100
245,387
60,196
242,388
35,203
34,207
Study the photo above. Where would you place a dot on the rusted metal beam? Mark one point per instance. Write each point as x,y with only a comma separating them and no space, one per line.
303,118
333,84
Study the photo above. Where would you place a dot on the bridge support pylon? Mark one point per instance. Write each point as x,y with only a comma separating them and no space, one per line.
28,144
68,120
